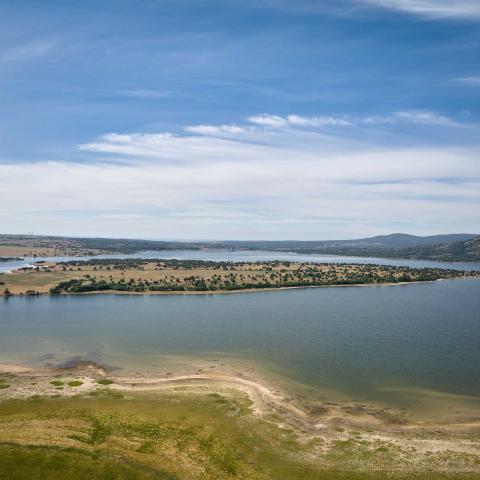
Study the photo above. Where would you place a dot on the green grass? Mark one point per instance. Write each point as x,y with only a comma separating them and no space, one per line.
178,437
75,383
105,381
48,463
57,383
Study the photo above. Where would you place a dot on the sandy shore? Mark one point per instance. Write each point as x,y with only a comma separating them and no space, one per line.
25,381
266,399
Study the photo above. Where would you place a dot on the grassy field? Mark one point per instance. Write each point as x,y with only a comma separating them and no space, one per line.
136,275
106,435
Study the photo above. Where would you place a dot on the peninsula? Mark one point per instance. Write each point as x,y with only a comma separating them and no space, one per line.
189,276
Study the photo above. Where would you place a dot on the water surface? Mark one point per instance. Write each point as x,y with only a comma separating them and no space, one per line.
367,343
247,256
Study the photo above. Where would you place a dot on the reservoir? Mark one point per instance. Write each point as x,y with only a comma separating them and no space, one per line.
375,343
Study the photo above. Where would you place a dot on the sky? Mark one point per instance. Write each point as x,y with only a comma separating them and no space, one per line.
239,119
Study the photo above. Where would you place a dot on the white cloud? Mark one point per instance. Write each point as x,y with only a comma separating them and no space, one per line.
424,118
300,121
408,116
276,121
216,129
248,181
466,9
176,148
265,120
471,81
413,117
433,9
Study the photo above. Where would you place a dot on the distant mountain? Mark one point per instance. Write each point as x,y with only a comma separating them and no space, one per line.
449,247
394,240
466,251
399,240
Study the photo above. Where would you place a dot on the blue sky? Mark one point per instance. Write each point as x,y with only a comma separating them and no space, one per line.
265,119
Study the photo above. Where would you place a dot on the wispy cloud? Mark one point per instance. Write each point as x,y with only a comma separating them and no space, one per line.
418,117
216,129
266,120
471,81
415,117
275,121
300,121
271,177
467,9
29,50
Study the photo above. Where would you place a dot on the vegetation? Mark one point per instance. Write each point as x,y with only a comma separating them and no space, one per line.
105,381
75,383
183,436
57,383
152,275
3,384
144,275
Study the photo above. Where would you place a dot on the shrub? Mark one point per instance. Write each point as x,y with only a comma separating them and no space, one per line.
105,381
75,383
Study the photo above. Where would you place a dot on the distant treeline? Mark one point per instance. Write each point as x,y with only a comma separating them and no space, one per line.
172,263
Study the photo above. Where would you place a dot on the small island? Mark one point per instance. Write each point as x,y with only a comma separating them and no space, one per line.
198,276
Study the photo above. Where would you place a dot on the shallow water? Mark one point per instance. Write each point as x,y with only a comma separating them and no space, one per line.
366,343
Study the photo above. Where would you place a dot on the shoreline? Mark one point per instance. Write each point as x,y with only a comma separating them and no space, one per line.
240,290
267,400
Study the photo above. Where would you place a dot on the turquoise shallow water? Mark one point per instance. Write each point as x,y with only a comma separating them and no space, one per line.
365,342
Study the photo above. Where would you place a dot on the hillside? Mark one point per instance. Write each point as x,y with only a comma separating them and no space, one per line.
466,251
450,247
400,240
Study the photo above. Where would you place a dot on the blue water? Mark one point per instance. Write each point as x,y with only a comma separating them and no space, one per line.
248,256
360,341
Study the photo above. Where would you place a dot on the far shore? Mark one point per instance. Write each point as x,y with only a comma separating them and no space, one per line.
180,277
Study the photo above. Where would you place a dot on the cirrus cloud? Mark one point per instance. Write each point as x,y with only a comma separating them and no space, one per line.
466,9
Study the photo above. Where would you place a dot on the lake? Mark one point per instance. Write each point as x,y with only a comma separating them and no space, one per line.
383,343
247,256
